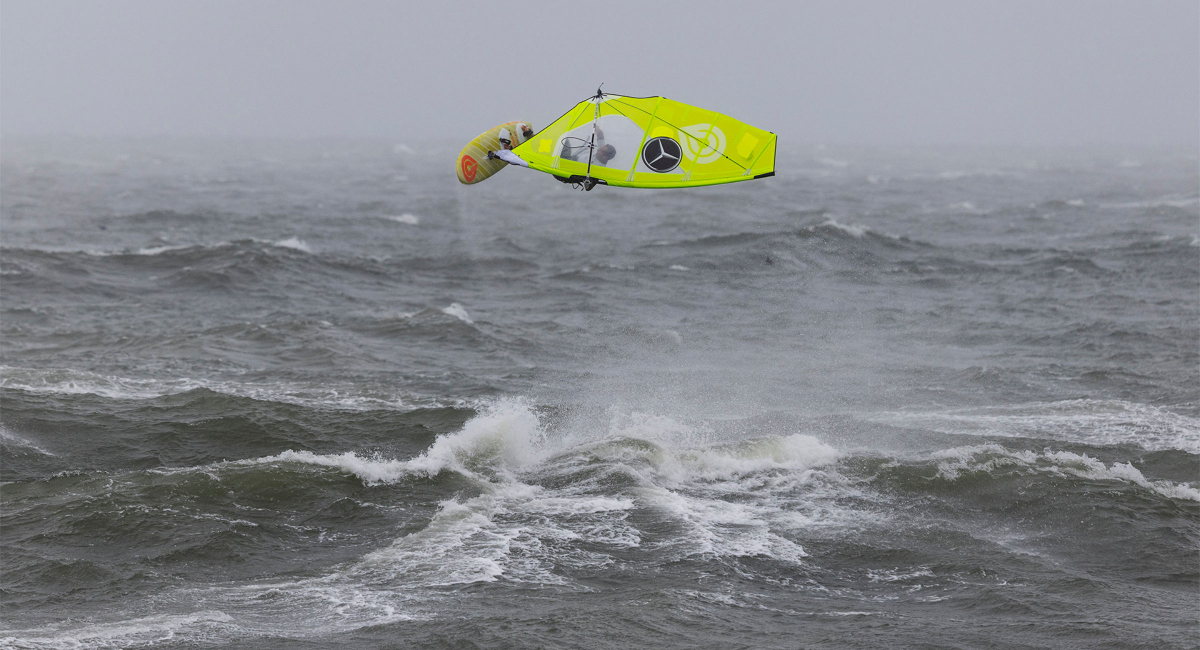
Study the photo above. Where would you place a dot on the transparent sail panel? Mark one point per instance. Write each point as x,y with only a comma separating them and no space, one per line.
617,140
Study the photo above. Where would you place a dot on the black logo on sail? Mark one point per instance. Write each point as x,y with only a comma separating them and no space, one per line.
661,154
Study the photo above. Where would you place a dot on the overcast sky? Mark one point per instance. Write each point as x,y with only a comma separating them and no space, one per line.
834,71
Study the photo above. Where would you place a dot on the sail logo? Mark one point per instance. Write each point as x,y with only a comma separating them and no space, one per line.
662,154
469,168
706,144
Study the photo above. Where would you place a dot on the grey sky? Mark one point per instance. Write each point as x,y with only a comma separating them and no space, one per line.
1041,72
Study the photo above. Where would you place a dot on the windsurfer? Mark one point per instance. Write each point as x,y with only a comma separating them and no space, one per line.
579,153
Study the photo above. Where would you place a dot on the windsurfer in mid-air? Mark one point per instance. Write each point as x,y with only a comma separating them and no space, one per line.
608,139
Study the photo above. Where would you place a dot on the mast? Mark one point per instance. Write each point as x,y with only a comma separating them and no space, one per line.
592,144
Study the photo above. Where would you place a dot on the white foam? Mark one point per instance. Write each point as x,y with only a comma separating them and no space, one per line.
750,498
460,545
578,505
897,575
855,231
75,382
953,463
504,437
121,634
506,531
716,527
1085,466
851,613
369,471
796,452
159,250
463,543
679,267
503,531
17,441
406,218
1168,201
687,452
733,499
294,243
1087,421
458,311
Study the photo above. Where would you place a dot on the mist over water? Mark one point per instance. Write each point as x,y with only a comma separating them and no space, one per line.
306,393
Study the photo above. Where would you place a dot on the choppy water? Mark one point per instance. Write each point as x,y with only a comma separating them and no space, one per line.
309,394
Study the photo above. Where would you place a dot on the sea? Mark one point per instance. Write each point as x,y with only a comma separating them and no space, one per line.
316,393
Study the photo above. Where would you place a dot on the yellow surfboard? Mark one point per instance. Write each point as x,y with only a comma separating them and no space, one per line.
473,163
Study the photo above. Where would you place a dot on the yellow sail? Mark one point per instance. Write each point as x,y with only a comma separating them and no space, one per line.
649,142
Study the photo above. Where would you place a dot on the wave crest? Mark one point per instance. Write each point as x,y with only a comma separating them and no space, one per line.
958,462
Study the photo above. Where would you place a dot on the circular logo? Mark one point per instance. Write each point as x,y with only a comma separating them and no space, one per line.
661,154
706,144
469,167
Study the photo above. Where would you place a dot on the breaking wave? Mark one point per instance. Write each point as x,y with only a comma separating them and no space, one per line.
961,461
1087,421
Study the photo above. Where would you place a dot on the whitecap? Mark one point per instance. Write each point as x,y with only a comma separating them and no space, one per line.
458,311
65,381
1085,466
795,452
460,545
1088,421
406,218
956,462
505,436
854,231
369,471
294,243
159,250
